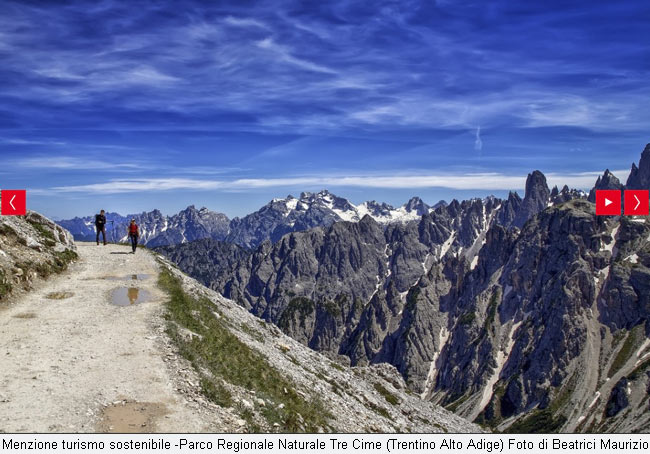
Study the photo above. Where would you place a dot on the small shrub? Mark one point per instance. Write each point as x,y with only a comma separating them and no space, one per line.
390,398
381,411
42,230
5,284
216,392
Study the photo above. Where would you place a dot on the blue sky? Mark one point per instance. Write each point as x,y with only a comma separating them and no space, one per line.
132,106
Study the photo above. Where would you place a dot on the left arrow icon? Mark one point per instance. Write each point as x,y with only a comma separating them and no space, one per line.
13,202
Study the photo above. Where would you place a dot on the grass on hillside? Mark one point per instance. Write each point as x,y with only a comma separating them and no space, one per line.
390,397
631,341
219,356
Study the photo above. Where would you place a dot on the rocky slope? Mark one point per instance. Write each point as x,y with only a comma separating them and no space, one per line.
521,314
343,399
31,247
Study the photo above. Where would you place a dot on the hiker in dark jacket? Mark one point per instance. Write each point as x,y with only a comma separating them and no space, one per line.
134,233
100,225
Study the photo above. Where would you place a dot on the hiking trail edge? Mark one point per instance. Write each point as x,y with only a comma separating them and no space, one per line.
73,362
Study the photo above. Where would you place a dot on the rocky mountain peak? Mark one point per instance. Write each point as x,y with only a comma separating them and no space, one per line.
536,186
535,200
189,211
376,208
606,181
640,176
311,196
554,192
417,205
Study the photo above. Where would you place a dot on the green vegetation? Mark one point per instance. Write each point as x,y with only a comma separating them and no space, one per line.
539,421
10,233
332,308
390,398
218,355
548,419
458,401
62,259
216,392
492,309
46,234
252,333
467,318
300,305
337,389
381,411
60,263
563,398
626,351
638,370
5,284
412,298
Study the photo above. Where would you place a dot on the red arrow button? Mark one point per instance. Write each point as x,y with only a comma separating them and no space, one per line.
637,203
608,203
14,202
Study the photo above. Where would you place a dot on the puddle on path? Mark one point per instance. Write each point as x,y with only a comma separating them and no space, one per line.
131,417
129,296
59,295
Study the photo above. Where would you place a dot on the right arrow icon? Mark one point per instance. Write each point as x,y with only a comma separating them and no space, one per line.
636,202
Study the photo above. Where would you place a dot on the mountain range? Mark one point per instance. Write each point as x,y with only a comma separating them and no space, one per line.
519,314
271,222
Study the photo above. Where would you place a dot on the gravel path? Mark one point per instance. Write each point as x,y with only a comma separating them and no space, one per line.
71,361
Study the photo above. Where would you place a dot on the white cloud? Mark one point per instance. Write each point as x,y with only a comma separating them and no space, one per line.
285,55
141,185
476,181
33,142
70,163
244,22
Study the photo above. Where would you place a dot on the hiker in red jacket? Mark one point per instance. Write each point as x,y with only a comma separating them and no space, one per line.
134,233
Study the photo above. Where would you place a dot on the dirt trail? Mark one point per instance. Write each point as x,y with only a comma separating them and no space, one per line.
82,364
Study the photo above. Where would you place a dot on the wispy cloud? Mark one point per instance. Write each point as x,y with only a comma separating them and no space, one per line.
325,67
476,181
284,54
244,22
478,143
71,163
33,142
